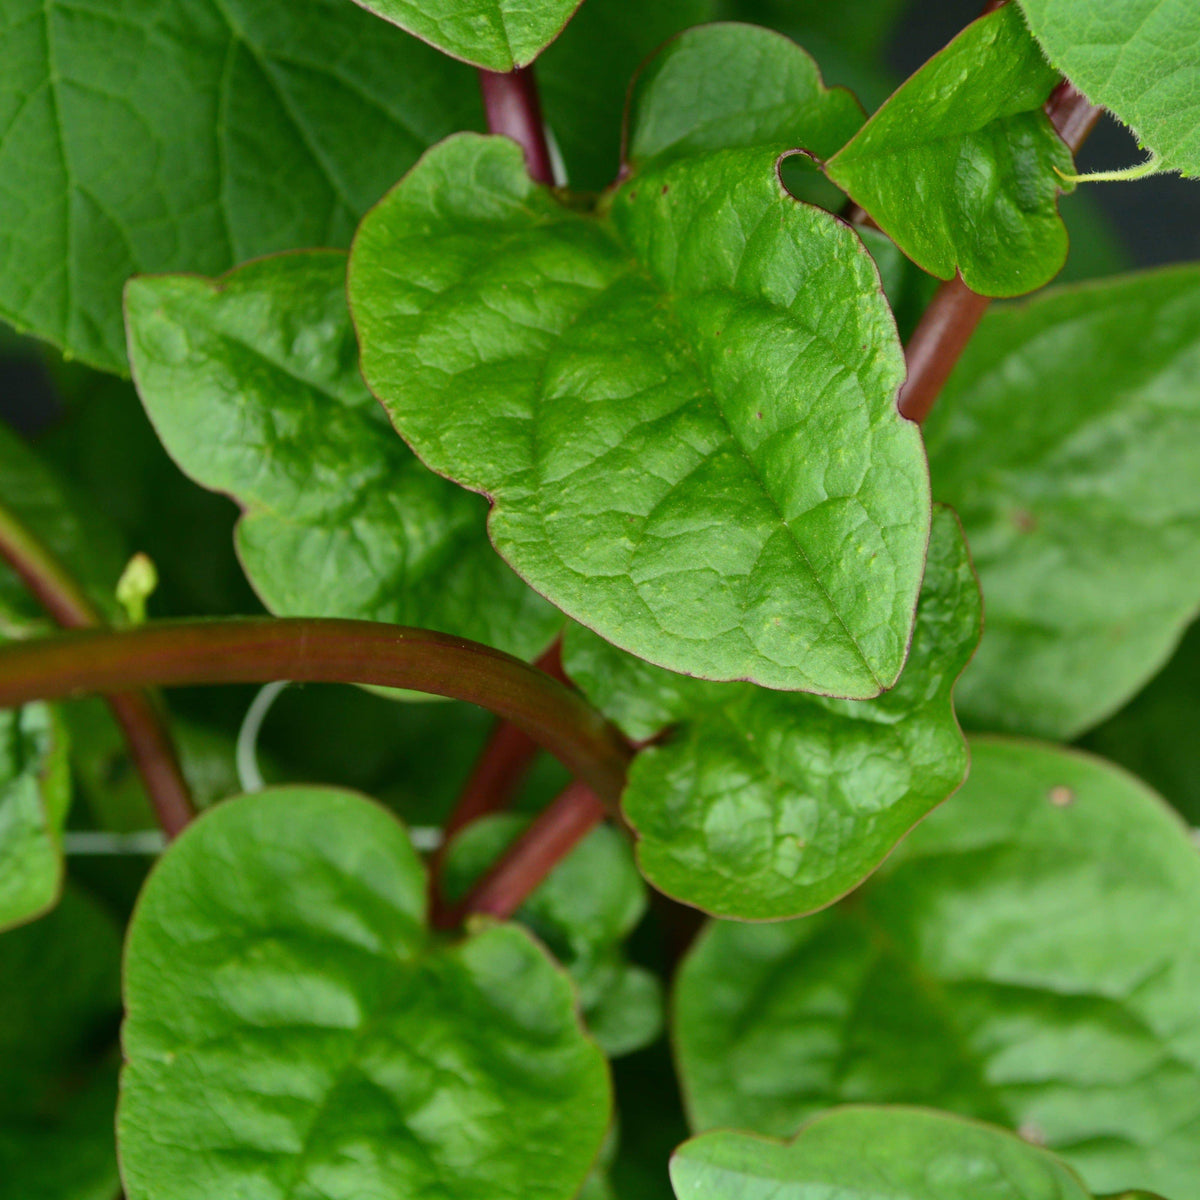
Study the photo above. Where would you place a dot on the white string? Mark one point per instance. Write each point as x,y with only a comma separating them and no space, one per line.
246,755
80,842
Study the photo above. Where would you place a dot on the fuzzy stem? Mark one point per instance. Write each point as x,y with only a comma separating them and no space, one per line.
313,650
556,831
954,313
149,742
510,100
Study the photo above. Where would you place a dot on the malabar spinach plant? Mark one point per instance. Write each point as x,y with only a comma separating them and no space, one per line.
577,364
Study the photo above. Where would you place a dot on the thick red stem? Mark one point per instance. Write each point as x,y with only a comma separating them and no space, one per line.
510,100
556,831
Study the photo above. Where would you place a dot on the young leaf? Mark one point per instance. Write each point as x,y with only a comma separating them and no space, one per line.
867,1153
1028,956
59,1006
498,35
586,907
35,793
583,77
764,805
683,413
958,166
1139,58
142,137
292,1026
771,95
252,383
1083,512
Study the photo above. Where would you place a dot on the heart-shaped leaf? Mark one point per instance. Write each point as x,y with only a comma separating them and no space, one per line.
139,137
683,412
958,166
1083,515
1139,58
252,383
1029,955
35,793
498,35
583,911
60,1003
763,805
293,1029
870,1153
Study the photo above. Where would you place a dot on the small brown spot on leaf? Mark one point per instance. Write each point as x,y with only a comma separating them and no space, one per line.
1061,796
1024,520
1032,1133
759,416
666,188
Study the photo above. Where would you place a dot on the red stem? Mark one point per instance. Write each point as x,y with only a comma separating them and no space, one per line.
557,830
513,109
302,649
501,767
150,746
946,327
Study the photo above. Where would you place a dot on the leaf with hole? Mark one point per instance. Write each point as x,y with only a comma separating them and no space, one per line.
689,439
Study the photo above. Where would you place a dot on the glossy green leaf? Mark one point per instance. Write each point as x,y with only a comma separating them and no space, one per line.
958,167
583,911
252,383
293,1029
584,75
137,136
763,805
1082,504
1154,734
691,445
66,523
1029,956
771,95
59,1007
35,793
1139,58
498,35
870,1153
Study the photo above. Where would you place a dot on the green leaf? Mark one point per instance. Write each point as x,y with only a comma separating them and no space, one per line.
867,1153
78,534
583,911
293,1029
764,805
584,75
691,447
1153,735
252,383
498,35
59,1007
771,95
138,137
1028,956
35,793
1083,513
1139,58
958,167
